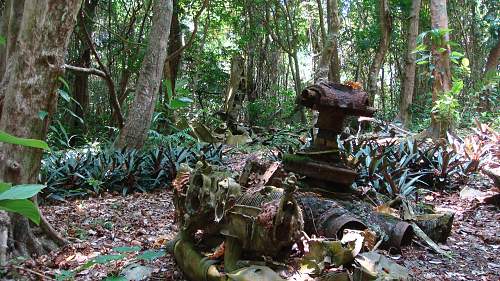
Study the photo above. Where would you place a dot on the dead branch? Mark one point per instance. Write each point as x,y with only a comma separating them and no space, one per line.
93,71
109,81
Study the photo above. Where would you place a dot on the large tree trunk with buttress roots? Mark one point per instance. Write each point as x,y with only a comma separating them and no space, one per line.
134,133
31,81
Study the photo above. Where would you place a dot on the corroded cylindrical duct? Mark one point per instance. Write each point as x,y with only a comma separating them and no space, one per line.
394,231
329,218
325,217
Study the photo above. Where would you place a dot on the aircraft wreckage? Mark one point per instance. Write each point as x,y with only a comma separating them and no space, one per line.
281,228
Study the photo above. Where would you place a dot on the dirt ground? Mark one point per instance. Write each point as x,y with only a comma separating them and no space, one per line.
97,225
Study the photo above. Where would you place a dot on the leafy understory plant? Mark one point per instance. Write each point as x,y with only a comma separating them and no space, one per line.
447,107
16,199
135,260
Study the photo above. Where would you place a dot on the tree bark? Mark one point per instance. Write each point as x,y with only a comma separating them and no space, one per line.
493,58
490,69
172,65
81,82
408,86
385,29
11,22
233,98
333,41
441,60
135,131
31,82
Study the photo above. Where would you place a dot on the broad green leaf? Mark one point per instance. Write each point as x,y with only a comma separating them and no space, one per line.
150,255
65,275
180,102
24,207
102,260
64,82
127,249
74,115
4,137
4,186
2,40
107,258
465,62
23,191
420,47
42,114
115,278
421,36
64,95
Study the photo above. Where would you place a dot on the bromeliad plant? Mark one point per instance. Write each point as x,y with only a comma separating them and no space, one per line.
94,170
400,167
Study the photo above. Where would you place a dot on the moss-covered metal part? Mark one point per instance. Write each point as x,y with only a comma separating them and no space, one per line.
255,226
264,221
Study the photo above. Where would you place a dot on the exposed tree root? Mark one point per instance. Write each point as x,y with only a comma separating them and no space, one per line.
32,242
52,233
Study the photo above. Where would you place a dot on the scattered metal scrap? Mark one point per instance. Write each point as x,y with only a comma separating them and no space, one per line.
266,227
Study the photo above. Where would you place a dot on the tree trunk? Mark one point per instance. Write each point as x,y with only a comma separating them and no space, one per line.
233,99
489,69
251,53
385,29
32,76
333,35
493,58
136,128
174,43
299,108
408,86
11,22
441,60
81,82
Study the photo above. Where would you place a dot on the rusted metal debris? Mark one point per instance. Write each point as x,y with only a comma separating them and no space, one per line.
266,214
334,97
334,102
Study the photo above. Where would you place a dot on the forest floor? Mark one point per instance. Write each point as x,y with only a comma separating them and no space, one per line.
97,225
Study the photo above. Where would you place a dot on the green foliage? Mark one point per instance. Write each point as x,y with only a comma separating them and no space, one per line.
446,107
94,170
131,253
7,138
15,199
266,112
150,255
401,168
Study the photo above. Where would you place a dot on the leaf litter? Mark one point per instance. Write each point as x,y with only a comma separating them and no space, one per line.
113,225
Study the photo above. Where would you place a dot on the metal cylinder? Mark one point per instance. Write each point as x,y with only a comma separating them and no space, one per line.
325,217
194,266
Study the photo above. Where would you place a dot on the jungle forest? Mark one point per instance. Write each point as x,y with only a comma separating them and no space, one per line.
250,140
